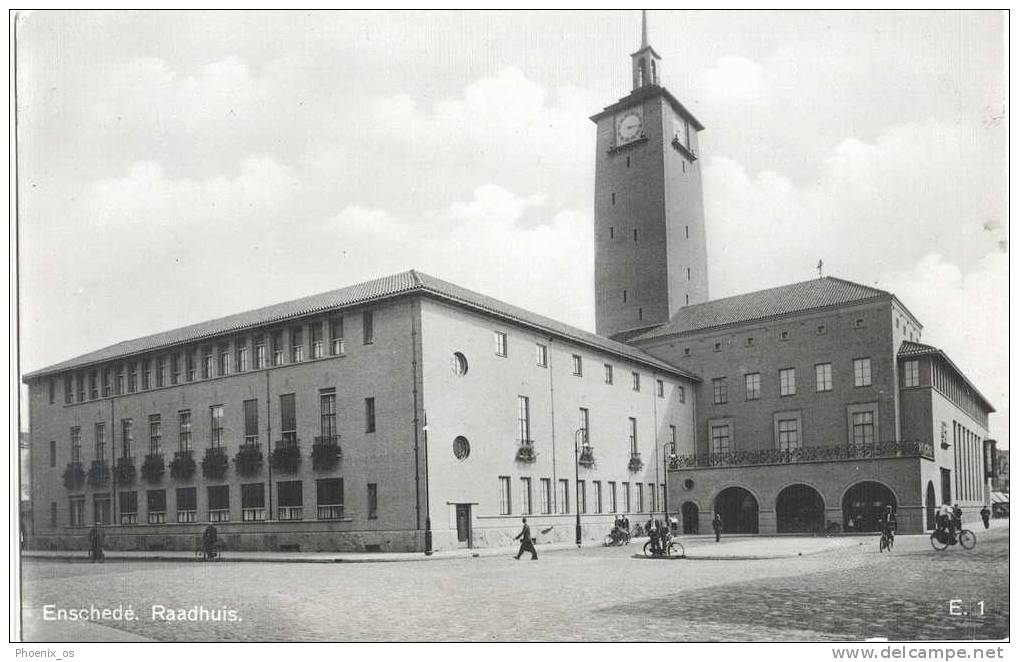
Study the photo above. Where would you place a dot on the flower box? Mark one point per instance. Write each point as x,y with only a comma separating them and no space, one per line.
325,454
74,476
248,460
98,473
124,471
153,468
286,458
183,466
215,463
525,453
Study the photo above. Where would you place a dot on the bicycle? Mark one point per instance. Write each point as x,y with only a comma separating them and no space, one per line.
214,554
670,549
887,540
620,537
941,539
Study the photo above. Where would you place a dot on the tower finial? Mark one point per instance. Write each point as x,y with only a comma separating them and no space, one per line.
643,28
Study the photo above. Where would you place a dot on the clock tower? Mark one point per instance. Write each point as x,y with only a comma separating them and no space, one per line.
650,250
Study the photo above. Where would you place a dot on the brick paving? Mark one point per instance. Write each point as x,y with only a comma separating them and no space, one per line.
595,594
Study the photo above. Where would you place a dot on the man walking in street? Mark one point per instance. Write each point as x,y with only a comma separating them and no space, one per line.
985,515
95,543
716,524
526,544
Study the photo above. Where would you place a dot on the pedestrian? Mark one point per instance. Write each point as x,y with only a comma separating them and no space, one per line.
95,543
985,515
957,516
210,539
626,524
716,524
526,544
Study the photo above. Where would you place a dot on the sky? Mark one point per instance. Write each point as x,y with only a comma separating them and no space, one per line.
175,167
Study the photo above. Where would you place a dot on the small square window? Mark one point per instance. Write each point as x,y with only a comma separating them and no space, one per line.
718,347
785,335
858,323
821,329
686,351
750,341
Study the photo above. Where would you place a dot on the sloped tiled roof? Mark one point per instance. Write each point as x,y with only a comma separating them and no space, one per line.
361,293
798,297
909,349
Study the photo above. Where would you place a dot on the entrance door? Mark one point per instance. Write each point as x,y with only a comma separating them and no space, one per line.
946,486
463,525
691,515
931,505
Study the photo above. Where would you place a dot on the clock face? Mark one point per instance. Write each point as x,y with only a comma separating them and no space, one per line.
629,126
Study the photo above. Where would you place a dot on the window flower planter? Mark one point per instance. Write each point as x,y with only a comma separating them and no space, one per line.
636,464
325,454
124,471
286,459
248,460
183,466
98,473
586,458
215,463
153,468
74,476
525,453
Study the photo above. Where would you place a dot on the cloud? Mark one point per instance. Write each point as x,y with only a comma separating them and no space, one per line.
736,80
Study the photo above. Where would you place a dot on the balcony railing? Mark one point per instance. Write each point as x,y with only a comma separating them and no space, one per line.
253,514
330,512
885,450
325,452
290,513
186,516
219,515
157,517
129,518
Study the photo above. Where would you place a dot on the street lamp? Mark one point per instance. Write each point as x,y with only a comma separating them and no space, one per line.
576,472
665,498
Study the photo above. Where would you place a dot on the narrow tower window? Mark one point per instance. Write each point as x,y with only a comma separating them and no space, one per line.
624,296
613,198
686,231
635,234
612,233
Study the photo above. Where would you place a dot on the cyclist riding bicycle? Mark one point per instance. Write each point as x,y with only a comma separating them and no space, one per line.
944,524
888,522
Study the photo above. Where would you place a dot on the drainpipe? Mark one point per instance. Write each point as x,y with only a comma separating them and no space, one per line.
268,446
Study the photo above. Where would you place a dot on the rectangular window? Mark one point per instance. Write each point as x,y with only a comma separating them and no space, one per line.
608,373
155,434
500,343
369,415
101,508
911,373
160,371
681,390
296,345
541,355
582,496
651,496
93,389
636,381
861,372
316,340
242,354
640,497
81,387
68,389
77,511
564,496
822,377
128,506
251,422
253,502
106,382
174,368
504,495
100,430
288,420
787,381
524,418
190,361
259,357
184,431
720,390
752,383
626,497
53,452
373,500
597,496
119,385
578,365
187,505
155,506
208,361
76,444
788,434
327,416
336,342
863,427
329,498
613,506
633,436
216,426
546,496
146,374
127,437
660,388
277,347
368,326
525,496
290,500
53,515
219,503
719,439
585,421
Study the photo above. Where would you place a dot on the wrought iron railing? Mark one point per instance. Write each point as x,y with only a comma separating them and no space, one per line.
884,450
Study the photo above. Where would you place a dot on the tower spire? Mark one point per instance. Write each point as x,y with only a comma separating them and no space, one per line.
643,29
645,60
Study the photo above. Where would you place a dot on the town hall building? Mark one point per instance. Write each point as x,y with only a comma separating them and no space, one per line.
409,413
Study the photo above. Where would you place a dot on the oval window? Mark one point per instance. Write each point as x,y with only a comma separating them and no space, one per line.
459,364
461,448
688,483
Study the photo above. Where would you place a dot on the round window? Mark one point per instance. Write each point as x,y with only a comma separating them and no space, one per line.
461,448
688,483
459,364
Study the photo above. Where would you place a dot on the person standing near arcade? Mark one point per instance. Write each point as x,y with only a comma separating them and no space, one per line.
716,524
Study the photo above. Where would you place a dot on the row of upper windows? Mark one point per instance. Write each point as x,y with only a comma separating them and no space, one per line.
560,501
541,360
329,432
862,376
215,360
751,341
788,432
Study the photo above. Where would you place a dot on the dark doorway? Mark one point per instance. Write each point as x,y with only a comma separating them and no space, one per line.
691,516
863,506
946,486
799,509
738,509
932,504
463,525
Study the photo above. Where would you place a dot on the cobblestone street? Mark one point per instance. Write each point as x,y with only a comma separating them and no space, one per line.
595,594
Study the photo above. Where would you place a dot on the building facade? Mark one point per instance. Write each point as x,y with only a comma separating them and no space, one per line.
361,419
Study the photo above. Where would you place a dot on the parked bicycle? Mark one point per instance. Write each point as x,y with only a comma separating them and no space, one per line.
941,539
669,548
617,536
